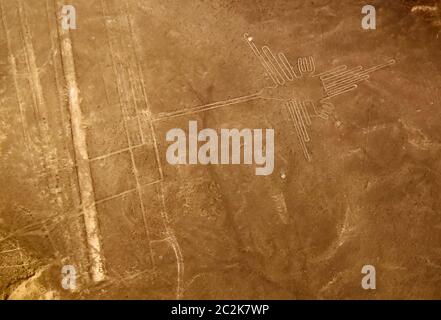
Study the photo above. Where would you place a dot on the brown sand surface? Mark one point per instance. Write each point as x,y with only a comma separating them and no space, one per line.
362,190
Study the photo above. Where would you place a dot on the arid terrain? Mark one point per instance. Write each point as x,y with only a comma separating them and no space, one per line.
85,181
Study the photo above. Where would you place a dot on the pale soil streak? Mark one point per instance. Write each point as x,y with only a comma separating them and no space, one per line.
147,113
81,154
170,232
13,64
49,152
66,129
124,101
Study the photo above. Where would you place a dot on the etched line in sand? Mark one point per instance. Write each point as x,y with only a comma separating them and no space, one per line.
147,114
65,124
334,82
124,98
13,64
126,192
341,80
206,107
107,155
87,194
48,151
278,69
299,127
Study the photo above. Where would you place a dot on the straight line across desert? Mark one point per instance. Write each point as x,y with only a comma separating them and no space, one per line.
225,149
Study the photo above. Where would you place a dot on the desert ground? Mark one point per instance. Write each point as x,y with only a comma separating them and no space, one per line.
85,181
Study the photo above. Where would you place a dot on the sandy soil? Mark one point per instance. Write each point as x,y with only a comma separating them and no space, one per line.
85,180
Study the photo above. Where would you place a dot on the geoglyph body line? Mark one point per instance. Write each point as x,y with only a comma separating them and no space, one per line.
335,82
341,80
299,125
